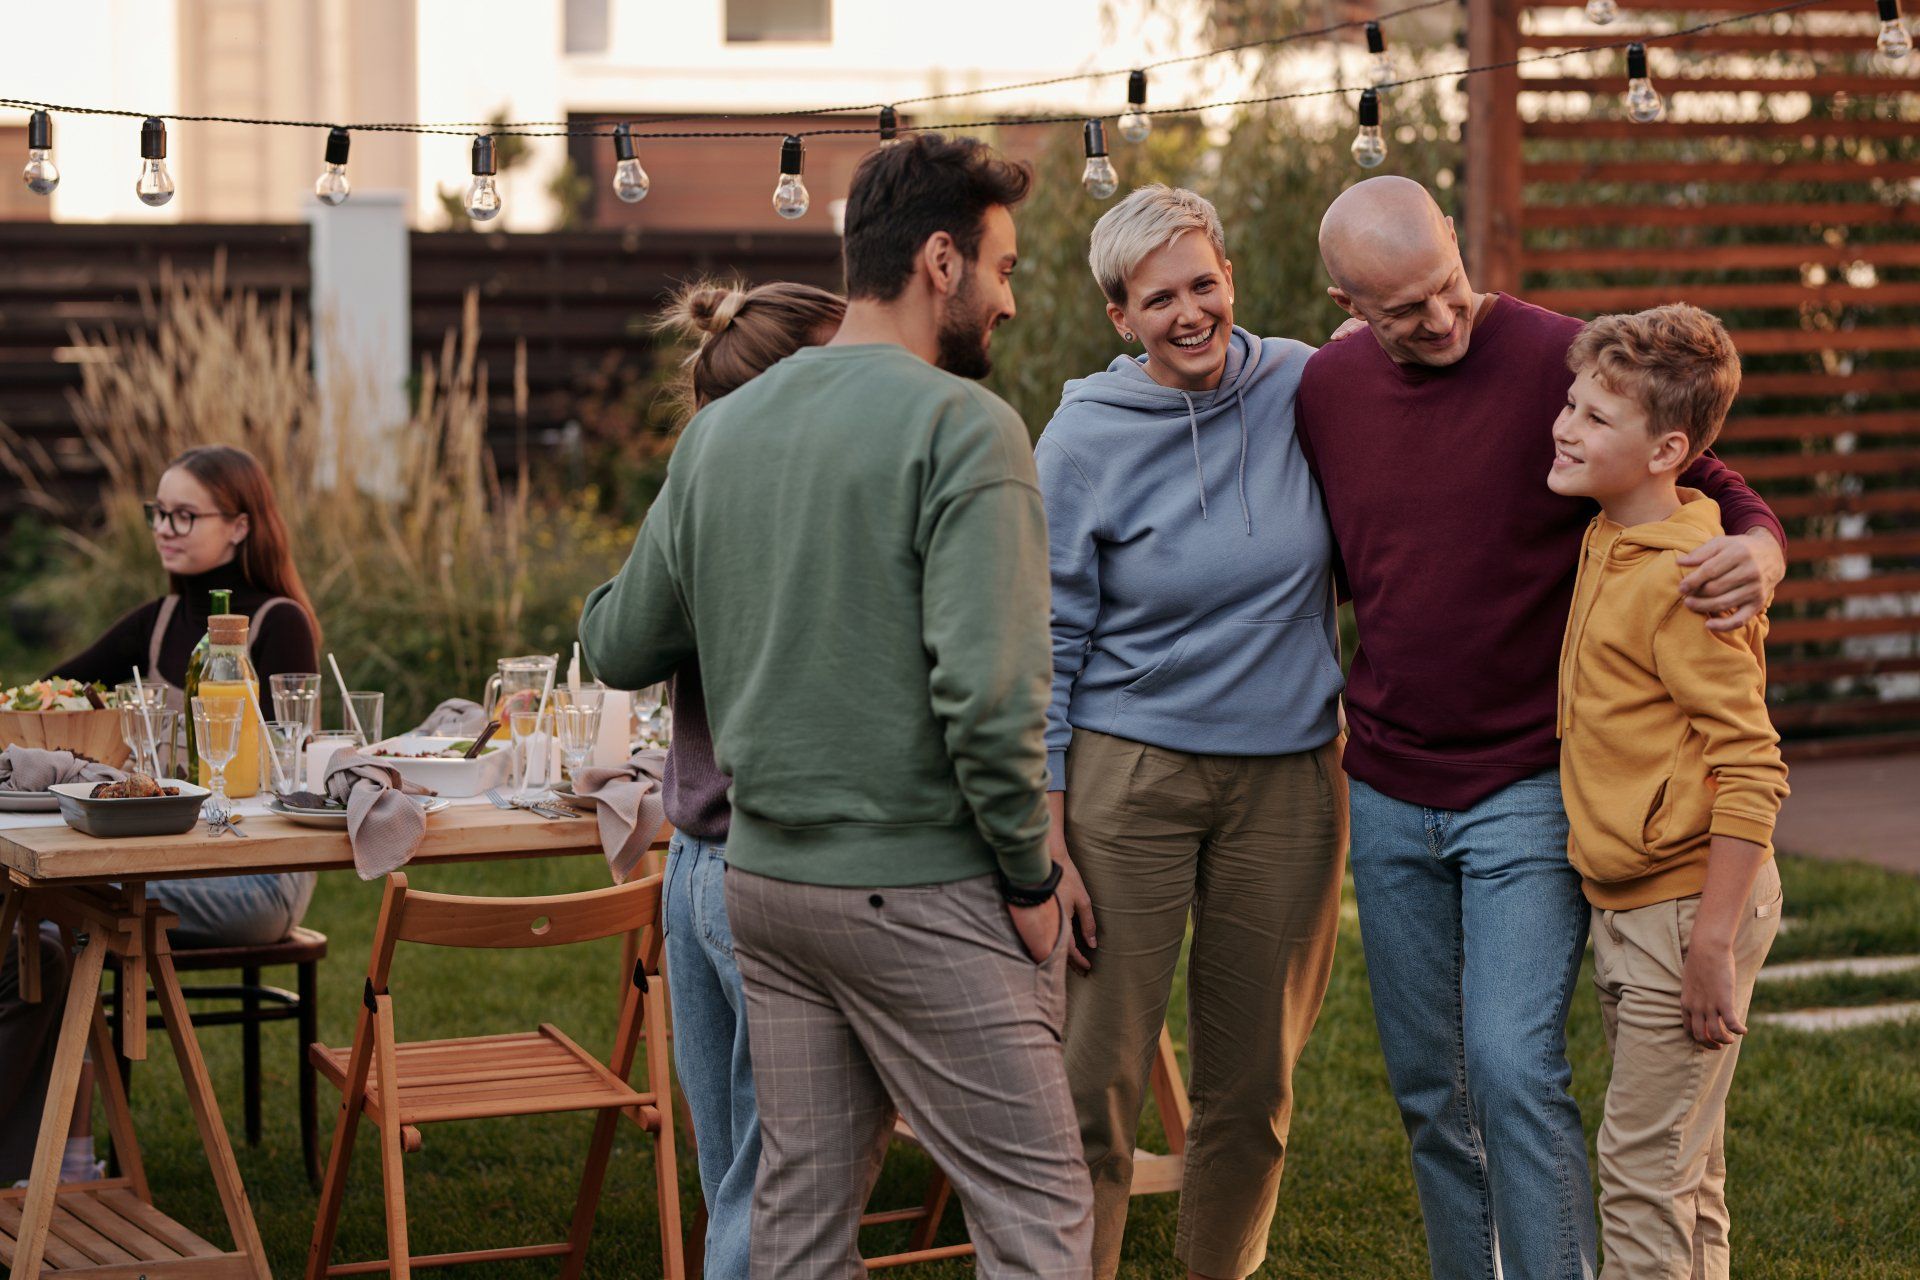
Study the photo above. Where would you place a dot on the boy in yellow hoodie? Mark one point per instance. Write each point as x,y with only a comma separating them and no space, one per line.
1672,775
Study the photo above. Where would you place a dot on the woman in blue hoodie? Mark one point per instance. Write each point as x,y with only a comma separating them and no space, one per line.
1191,737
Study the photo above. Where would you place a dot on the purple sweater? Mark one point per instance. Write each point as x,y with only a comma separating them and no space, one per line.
1459,558
695,789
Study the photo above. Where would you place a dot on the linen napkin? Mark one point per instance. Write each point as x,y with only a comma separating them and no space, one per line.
31,769
454,718
384,827
632,805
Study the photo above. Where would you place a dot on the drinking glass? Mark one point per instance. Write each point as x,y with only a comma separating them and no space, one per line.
591,693
533,741
296,697
650,716
284,741
579,729
216,725
150,732
131,696
366,708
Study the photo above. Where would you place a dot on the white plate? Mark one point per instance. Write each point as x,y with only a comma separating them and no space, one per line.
337,819
29,802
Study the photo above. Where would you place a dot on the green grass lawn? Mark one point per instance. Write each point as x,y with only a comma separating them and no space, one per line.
1824,1147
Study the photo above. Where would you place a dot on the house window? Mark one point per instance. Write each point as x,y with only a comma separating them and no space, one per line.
586,26
761,21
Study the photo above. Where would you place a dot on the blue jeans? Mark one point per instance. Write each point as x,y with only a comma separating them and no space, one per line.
1474,926
710,1047
234,911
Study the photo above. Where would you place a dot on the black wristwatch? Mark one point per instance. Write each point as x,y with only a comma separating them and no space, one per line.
1027,895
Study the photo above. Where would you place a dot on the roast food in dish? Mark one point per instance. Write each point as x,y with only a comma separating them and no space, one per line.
135,786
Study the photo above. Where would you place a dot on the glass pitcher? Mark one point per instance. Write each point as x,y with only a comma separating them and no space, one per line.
516,687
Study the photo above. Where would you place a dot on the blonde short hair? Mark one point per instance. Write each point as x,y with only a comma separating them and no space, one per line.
1677,362
1147,220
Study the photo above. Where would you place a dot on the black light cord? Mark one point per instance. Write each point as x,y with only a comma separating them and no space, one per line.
561,130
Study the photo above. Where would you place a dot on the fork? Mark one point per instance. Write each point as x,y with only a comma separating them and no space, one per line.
543,810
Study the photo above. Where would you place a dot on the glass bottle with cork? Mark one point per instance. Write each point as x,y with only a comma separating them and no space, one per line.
228,673
196,662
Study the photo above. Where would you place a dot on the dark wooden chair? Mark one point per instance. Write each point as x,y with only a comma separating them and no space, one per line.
252,1005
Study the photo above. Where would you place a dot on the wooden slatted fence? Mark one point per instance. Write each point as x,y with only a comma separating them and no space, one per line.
1783,192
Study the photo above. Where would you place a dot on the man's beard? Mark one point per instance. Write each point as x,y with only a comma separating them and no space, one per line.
963,334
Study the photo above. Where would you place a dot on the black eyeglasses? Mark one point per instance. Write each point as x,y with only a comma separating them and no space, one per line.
179,521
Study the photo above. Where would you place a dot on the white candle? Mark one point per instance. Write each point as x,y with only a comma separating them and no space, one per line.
321,749
616,730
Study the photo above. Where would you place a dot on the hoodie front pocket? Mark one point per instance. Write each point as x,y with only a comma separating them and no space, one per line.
1655,820
1241,671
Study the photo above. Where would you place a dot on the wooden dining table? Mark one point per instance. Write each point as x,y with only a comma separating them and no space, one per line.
111,1229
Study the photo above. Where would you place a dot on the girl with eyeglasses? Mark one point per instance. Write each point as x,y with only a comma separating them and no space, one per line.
216,527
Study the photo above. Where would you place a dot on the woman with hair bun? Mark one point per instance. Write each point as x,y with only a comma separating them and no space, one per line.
738,333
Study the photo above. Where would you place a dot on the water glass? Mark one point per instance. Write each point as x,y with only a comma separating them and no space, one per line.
533,745
150,732
296,697
651,717
579,730
366,709
216,727
285,738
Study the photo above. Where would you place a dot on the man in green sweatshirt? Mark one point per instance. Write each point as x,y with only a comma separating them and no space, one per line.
853,544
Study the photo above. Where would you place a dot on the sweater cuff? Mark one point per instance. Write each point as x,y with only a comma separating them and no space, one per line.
1027,866
1743,826
1057,770
1763,519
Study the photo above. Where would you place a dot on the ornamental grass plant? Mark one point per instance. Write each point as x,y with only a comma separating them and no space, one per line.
425,562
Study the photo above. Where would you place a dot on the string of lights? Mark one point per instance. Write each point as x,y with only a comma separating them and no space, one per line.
631,183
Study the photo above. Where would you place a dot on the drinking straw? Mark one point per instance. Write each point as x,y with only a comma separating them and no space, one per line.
347,698
273,759
146,716
546,691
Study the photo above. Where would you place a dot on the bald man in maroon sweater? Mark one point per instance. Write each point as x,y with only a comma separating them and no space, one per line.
1431,436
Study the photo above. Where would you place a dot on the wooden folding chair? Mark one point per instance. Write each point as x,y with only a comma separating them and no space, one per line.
403,1086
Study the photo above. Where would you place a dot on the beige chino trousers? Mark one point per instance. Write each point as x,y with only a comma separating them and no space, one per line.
1252,849
1663,1162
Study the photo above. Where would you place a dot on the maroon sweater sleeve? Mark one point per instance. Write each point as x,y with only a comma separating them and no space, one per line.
1741,509
1303,436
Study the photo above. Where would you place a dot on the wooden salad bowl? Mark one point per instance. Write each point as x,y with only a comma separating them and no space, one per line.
94,734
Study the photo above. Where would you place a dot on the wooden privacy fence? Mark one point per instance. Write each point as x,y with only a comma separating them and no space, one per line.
579,305
1782,190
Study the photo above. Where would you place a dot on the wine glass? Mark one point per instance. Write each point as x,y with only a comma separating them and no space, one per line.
216,723
579,728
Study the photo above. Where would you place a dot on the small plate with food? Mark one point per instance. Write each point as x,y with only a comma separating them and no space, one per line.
136,806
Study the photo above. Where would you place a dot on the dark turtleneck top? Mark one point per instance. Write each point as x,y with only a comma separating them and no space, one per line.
285,641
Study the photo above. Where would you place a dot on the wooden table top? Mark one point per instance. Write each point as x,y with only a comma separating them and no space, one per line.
463,833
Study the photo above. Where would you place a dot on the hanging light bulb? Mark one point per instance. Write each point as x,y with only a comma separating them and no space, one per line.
332,186
483,194
790,198
630,181
1895,41
1369,148
1098,177
889,127
41,174
1643,100
155,187
1380,69
1136,124
1601,12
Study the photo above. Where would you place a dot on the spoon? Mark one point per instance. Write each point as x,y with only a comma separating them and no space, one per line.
493,727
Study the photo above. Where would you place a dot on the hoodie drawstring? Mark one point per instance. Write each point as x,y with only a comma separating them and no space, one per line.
1193,425
1245,511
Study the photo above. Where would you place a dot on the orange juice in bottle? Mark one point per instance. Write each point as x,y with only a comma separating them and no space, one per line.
228,679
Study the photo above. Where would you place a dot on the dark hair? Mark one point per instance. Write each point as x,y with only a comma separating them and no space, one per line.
904,193
740,332
239,484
